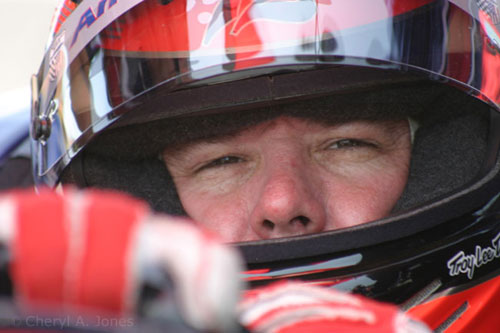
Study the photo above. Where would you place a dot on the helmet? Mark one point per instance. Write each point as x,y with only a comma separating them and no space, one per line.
121,80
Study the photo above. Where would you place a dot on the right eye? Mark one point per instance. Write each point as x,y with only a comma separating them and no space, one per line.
221,161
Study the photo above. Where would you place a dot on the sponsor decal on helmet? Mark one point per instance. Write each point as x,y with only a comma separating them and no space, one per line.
461,263
90,18
91,15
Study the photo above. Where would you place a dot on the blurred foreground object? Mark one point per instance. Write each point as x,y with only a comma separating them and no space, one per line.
92,253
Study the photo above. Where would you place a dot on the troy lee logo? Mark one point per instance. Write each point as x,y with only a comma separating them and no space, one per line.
465,264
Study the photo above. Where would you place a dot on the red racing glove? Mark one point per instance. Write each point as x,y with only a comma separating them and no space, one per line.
293,307
89,252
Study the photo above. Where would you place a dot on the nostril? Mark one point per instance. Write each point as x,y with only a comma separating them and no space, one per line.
301,219
296,225
268,224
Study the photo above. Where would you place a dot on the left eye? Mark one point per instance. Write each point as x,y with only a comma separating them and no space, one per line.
349,143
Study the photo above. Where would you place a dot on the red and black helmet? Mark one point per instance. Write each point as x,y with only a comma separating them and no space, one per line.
123,79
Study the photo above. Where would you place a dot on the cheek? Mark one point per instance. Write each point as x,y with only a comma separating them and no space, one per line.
366,194
225,215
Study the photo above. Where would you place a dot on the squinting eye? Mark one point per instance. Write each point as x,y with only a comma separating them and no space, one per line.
221,161
350,143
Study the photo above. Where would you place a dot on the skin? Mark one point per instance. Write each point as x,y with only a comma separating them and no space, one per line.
290,176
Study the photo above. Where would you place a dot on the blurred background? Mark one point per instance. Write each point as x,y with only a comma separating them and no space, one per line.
24,30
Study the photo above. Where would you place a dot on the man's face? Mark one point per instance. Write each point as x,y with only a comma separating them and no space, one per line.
290,176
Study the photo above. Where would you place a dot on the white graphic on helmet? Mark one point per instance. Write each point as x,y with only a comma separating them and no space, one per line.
249,11
466,264
491,9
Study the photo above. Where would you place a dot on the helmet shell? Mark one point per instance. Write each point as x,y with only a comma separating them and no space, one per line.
112,65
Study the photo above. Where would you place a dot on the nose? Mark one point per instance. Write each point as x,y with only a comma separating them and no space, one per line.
288,205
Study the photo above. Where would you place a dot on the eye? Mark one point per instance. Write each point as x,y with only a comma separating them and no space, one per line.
221,161
350,143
